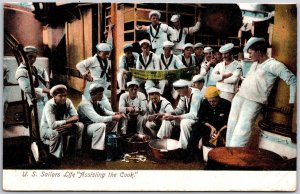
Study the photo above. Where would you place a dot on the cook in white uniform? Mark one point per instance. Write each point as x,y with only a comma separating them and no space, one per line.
180,33
60,118
97,69
98,120
158,32
254,92
227,73
185,114
40,80
156,108
134,104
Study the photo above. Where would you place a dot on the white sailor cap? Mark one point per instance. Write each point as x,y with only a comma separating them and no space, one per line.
126,46
181,83
144,41
175,18
197,78
199,44
154,90
154,12
251,41
103,47
95,86
168,44
30,49
54,88
133,82
208,49
187,45
226,48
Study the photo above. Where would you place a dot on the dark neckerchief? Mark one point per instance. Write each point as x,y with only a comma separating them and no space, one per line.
184,62
180,35
157,109
157,31
164,62
35,73
189,104
142,60
60,111
104,68
198,62
129,63
99,110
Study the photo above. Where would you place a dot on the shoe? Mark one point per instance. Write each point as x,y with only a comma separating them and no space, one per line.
190,158
98,155
53,160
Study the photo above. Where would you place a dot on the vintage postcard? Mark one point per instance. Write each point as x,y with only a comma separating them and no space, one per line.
149,96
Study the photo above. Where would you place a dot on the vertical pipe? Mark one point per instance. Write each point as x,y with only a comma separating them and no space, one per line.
114,98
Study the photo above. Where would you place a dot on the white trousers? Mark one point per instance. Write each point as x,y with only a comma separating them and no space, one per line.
241,119
139,127
227,96
151,126
98,132
56,143
166,128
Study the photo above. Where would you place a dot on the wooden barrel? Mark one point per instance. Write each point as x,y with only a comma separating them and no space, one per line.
242,158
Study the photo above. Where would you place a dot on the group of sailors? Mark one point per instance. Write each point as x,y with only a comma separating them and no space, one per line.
210,105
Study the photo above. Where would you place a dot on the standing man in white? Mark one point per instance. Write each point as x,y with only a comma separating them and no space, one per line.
158,32
254,92
180,33
227,73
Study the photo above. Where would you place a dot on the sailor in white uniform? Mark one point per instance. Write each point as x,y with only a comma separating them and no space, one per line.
156,108
40,79
254,92
158,32
60,118
97,69
127,60
227,73
98,120
207,66
185,114
147,60
198,83
181,33
134,104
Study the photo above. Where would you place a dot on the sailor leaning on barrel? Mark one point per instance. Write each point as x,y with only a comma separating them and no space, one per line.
134,104
40,79
156,109
227,73
97,120
158,32
185,114
60,118
97,69
254,92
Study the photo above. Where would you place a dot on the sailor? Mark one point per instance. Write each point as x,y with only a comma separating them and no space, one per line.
186,57
185,114
198,55
254,92
180,33
168,61
227,73
98,120
158,32
40,80
97,69
134,104
127,60
198,83
60,118
147,60
156,108
207,66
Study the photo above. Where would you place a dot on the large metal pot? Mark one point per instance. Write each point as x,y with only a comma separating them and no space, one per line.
136,142
164,148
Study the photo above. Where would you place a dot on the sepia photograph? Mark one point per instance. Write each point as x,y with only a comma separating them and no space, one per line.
112,96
